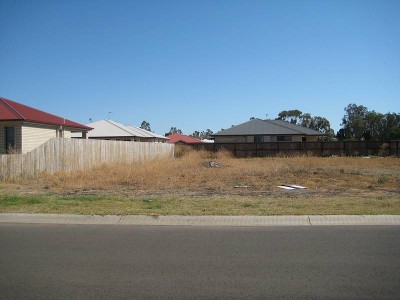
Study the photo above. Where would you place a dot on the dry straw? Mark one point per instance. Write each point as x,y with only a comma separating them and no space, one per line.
192,171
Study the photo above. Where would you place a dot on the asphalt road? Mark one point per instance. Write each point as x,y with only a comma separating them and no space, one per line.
177,262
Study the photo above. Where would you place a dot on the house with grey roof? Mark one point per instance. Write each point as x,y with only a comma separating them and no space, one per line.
264,131
111,130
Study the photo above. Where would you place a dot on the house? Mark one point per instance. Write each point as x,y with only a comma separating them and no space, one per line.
264,131
111,130
23,128
176,138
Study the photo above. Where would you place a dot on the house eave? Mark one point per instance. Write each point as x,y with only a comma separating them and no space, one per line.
269,134
53,126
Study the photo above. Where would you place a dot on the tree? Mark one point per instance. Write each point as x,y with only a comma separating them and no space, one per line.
360,124
145,125
196,134
354,122
375,126
296,117
392,126
202,134
207,134
321,124
394,134
306,120
175,130
292,116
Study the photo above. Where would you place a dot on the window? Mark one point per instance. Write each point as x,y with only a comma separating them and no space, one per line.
258,139
10,138
284,138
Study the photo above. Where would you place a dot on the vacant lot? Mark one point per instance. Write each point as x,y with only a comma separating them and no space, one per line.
200,183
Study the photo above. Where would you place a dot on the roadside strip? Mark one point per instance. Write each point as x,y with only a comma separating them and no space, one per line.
306,220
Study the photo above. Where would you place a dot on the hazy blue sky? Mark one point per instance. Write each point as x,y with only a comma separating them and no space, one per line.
199,64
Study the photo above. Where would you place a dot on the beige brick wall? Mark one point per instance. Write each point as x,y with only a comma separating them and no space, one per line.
230,139
67,134
27,137
312,138
295,138
266,139
33,137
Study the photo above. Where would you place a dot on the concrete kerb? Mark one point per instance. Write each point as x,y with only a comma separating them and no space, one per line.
305,220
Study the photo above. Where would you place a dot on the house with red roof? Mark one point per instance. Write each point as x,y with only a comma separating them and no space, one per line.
23,128
176,138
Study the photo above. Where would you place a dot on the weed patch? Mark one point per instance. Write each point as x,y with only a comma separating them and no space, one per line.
383,179
16,200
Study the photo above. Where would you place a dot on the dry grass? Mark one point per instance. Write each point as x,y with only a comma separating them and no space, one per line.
192,172
188,185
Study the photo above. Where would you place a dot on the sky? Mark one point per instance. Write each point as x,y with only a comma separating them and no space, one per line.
199,65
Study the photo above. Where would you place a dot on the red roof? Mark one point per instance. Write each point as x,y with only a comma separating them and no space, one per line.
181,138
14,111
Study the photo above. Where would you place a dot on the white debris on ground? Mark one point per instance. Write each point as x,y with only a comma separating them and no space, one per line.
242,186
213,164
291,187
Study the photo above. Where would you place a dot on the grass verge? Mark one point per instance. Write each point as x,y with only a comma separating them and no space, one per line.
290,204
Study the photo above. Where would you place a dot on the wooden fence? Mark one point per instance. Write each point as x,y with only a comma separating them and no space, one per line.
313,148
60,154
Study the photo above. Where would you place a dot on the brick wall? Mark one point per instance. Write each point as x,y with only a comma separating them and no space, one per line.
28,137
33,136
67,134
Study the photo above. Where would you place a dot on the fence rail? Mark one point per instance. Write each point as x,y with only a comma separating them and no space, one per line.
314,148
60,154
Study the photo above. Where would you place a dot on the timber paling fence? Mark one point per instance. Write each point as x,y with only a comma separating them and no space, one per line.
348,148
59,154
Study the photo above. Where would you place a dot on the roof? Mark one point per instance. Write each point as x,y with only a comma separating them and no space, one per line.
14,111
146,133
268,127
176,138
109,128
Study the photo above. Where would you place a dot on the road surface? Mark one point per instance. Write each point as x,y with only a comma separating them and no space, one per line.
54,261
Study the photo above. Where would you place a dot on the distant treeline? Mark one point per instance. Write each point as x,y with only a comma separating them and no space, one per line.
358,124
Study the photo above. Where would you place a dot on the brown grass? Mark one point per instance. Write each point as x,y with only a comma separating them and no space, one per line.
351,181
192,172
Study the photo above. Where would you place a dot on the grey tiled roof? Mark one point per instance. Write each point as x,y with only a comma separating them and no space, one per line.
268,127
